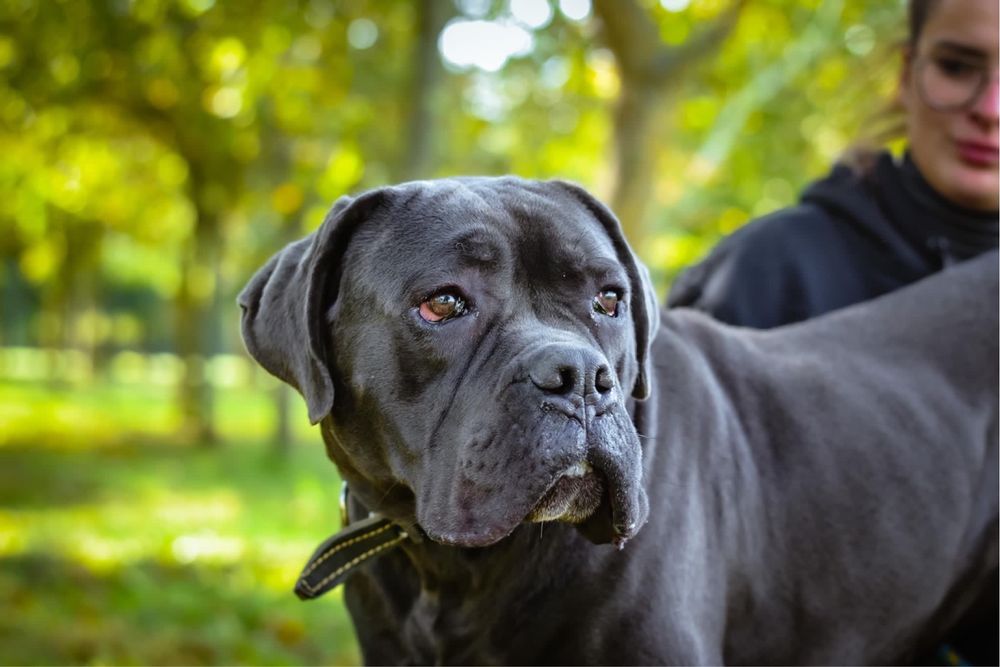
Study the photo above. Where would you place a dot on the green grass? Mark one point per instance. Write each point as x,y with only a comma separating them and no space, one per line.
119,545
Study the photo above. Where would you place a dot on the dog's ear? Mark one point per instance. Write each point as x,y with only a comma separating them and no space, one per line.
643,303
644,291
283,323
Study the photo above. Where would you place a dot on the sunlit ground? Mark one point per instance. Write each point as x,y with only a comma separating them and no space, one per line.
121,545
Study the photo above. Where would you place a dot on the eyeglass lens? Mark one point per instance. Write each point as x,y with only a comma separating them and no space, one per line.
948,83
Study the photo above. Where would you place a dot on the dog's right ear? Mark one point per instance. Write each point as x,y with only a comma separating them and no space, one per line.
283,305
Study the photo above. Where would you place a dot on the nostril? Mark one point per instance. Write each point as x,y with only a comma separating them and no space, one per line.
604,381
568,375
556,380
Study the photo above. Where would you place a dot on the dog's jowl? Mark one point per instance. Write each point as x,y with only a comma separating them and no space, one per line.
543,468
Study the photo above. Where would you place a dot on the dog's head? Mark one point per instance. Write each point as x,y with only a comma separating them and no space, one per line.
481,338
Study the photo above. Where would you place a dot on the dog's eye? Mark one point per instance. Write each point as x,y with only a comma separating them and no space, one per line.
606,303
441,307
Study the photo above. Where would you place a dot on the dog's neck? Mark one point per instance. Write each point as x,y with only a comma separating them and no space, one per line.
492,568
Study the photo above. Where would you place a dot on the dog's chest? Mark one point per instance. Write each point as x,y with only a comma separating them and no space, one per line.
488,615
443,629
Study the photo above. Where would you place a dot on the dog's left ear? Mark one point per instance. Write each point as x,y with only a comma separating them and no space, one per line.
643,303
284,304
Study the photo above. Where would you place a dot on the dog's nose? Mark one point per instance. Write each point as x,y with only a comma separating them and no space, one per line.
567,371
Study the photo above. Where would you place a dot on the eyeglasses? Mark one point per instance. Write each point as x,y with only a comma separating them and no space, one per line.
950,83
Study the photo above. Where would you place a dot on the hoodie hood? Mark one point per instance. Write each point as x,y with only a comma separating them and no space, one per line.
892,203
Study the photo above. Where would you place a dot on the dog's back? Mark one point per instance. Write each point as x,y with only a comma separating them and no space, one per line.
860,466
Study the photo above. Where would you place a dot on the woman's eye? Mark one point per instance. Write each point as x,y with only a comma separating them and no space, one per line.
441,307
955,68
606,303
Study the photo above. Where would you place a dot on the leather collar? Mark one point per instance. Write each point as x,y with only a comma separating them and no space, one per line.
340,554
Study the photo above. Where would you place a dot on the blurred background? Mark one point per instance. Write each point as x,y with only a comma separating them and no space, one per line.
158,493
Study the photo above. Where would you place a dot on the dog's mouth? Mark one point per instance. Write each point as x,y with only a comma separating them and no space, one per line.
594,482
573,497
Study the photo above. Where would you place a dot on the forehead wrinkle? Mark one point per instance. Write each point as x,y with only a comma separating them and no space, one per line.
563,257
587,254
477,246
478,249
608,270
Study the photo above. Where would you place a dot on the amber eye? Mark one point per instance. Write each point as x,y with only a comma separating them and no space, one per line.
441,307
606,303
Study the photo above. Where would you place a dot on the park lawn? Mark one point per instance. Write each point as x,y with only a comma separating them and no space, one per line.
120,545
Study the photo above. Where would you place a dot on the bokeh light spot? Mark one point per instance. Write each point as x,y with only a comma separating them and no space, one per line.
307,48
228,56
476,9
196,7
319,13
859,39
362,34
225,102
8,51
64,68
575,10
344,169
675,5
534,14
487,45
287,198
603,74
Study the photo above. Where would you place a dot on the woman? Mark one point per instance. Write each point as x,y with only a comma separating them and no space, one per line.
866,230
871,228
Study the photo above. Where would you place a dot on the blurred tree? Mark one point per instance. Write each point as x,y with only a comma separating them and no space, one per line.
794,86
211,86
650,71
157,151
421,129
130,62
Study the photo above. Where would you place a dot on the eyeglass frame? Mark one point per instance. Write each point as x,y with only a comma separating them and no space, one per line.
920,63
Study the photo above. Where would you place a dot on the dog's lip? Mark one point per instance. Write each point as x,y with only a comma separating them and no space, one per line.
471,539
484,537
562,499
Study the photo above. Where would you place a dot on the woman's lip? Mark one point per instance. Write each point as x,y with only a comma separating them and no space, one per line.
977,153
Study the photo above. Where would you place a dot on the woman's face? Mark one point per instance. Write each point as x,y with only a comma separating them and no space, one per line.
955,145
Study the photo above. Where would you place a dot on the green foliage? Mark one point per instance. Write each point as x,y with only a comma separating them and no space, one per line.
788,92
119,545
152,122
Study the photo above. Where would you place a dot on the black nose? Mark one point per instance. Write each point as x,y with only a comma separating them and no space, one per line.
564,370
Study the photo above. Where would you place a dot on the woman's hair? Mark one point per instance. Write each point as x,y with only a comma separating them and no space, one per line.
888,123
917,12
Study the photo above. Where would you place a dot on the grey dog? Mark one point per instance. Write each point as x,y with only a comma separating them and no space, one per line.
582,479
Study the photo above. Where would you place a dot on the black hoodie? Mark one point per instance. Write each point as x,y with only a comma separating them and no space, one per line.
852,237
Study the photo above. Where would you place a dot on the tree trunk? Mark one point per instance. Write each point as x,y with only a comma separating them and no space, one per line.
10,306
649,71
83,243
51,330
194,394
421,134
194,328
282,437
638,130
